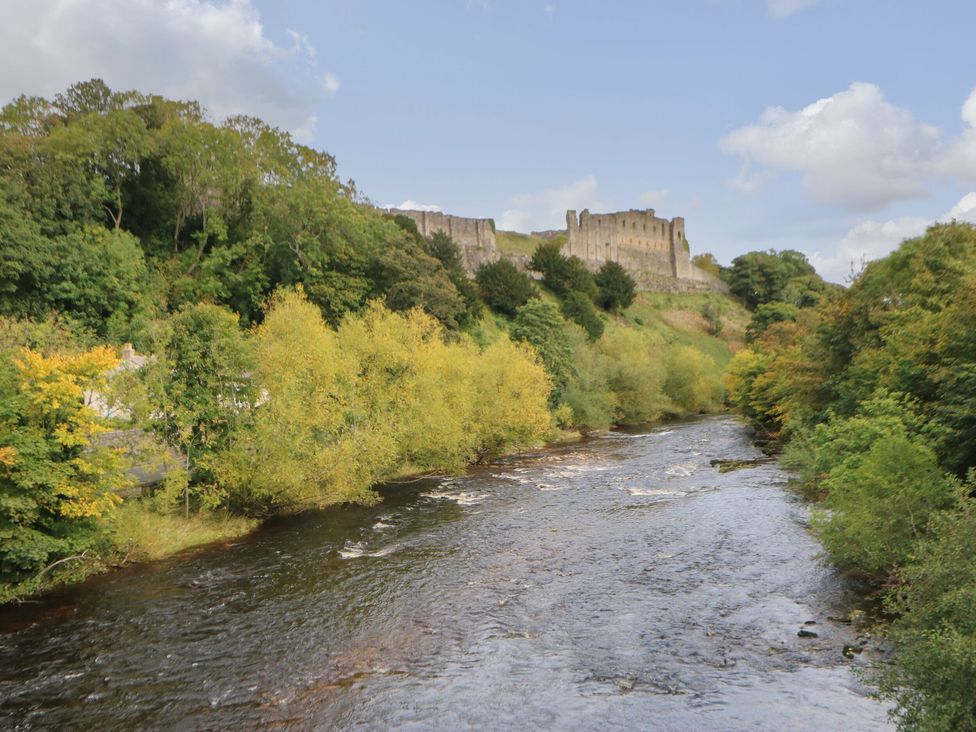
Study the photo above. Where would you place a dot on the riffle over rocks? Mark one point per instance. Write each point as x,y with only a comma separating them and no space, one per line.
653,250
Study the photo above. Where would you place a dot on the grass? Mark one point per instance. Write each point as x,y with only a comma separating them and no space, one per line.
512,242
144,534
135,533
678,319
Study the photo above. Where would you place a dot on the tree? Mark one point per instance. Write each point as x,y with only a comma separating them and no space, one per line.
580,309
540,324
446,251
411,278
933,681
768,313
199,382
560,273
503,287
56,477
344,410
617,287
706,261
759,277
92,274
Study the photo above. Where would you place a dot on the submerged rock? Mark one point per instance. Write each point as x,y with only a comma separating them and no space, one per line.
726,466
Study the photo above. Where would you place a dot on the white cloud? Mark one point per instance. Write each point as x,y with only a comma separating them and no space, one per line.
874,239
550,10
866,241
411,205
515,220
331,83
853,148
651,199
965,210
546,209
960,158
783,8
214,52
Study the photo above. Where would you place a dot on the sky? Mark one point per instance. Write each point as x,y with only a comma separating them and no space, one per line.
835,127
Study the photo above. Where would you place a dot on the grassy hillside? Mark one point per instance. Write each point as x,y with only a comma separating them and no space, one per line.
678,319
681,319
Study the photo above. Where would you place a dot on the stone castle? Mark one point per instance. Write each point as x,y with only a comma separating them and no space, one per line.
653,250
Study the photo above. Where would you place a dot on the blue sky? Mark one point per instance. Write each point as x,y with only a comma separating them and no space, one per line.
836,127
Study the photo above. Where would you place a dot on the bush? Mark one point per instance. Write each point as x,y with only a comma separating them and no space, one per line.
880,505
933,682
580,309
712,311
694,383
503,287
55,482
617,288
560,273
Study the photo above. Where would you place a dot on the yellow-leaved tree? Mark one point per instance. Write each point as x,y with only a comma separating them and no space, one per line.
339,411
56,476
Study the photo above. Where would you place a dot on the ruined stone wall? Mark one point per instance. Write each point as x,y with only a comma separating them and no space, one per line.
632,238
475,237
652,249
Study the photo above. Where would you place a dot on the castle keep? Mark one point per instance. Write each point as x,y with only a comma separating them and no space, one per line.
637,240
653,250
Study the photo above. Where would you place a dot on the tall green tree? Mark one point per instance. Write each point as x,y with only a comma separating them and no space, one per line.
199,381
617,289
540,324
503,287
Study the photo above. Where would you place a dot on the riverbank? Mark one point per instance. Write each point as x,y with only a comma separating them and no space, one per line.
140,535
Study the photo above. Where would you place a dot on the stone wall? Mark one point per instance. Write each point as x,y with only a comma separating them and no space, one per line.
475,237
652,249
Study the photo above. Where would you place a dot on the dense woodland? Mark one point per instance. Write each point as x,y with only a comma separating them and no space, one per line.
302,345
874,390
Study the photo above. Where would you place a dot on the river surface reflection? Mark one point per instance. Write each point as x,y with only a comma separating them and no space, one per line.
621,583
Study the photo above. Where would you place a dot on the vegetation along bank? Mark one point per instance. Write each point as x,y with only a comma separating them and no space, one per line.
873,388
298,345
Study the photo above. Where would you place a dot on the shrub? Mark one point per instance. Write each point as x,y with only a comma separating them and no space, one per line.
617,288
880,505
712,311
503,287
933,682
560,273
580,309
693,383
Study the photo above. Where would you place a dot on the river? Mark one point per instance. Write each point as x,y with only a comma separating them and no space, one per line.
619,583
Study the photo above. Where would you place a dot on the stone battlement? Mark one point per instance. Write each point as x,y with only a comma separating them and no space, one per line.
475,237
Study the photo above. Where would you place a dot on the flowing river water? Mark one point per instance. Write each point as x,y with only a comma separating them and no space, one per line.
619,583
